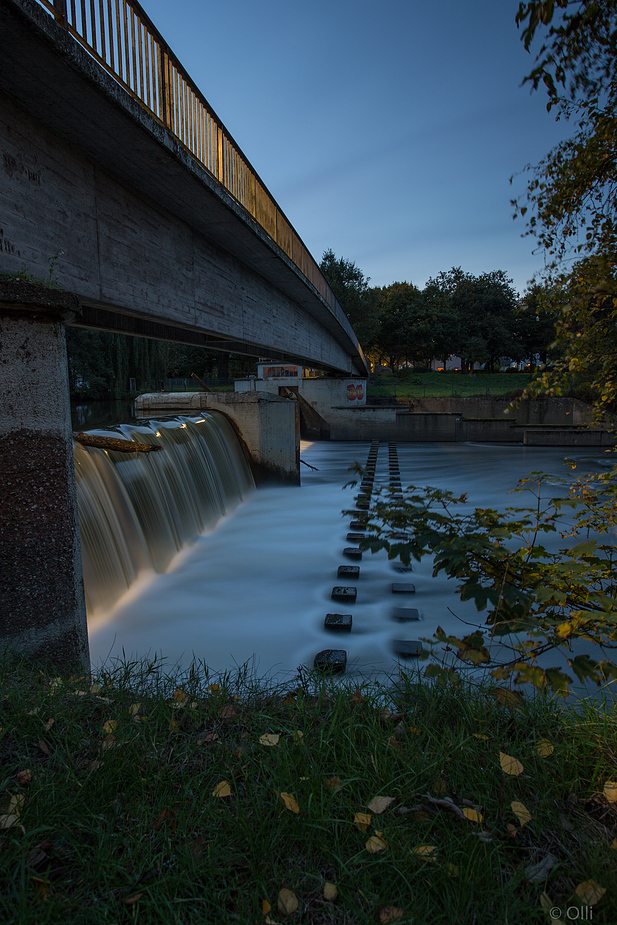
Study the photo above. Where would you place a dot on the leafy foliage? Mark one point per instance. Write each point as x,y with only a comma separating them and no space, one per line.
537,597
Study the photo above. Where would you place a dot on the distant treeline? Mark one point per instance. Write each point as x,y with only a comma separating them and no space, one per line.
101,365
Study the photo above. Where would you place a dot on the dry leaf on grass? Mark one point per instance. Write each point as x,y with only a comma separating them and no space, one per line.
540,871
43,746
610,791
479,735
452,870
362,821
265,907
180,697
390,914
510,765
131,900
287,901
270,739
109,726
222,789
330,891
334,784
375,844
472,815
24,777
357,697
440,786
8,820
543,748
521,812
227,712
289,802
590,892
425,851
379,804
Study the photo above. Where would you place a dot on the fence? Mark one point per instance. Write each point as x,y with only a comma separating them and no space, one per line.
121,37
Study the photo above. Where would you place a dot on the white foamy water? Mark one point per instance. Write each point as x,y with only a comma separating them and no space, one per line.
257,587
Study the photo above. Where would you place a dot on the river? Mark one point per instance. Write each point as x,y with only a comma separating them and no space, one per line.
255,590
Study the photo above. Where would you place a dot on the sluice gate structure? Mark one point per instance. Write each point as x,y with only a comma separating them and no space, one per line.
111,155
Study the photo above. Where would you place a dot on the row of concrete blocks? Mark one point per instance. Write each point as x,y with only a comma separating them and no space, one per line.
334,661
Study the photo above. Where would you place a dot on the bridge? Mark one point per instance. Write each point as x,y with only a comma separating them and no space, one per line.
112,155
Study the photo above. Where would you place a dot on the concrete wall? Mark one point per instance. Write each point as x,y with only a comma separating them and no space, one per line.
42,605
322,394
268,426
547,411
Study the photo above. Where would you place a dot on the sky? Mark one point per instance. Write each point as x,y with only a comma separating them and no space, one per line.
387,130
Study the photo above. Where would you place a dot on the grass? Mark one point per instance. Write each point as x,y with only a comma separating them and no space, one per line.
111,814
446,385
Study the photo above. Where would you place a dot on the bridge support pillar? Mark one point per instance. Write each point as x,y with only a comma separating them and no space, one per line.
42,605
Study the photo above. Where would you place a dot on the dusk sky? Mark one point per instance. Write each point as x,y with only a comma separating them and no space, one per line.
386,130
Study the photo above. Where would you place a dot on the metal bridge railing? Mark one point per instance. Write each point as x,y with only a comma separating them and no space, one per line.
121,37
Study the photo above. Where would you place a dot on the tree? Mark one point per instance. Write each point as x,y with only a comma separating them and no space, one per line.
571,201
484,309
350,286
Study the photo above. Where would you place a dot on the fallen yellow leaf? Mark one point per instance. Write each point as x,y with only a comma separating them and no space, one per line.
375,844
379,804
508,698
227,712
134,709
270,921
510,765
287,901
213,688
270,739
452,870
543,748
24,777
479,735
362,821
521,812
95,689
289,802
414,731
390,914
511,830
179,696
472,814
265,907
298,735
610,791
330,891
16,803
109,726
590,892
440,786
222,789
546,903
614,844
424,851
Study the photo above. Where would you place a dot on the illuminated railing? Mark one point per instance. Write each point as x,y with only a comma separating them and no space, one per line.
121,37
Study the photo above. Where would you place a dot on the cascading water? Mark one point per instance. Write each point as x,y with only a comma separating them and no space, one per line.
137,511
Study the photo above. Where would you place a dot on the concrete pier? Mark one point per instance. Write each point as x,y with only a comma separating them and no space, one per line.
42,606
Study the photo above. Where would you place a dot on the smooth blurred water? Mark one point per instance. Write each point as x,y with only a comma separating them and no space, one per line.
256,587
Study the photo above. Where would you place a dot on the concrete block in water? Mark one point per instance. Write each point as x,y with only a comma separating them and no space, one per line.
348,571
338,622
355,537
358,525
344,593
403,587
405,614
333,661
352,552
407,648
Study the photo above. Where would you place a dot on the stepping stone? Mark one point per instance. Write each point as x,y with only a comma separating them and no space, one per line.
357,525
333,661
363,505
340,593
407,648
355,537
348,571
352,552
403,587
405,614
338,622
402,568
401,536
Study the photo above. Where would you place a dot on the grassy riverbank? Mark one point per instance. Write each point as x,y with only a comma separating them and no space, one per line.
408,384
131,798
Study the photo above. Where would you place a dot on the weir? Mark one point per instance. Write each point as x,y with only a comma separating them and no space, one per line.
137,511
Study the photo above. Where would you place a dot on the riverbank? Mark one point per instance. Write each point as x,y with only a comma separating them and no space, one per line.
134,796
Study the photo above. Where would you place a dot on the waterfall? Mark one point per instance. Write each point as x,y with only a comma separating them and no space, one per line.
137,511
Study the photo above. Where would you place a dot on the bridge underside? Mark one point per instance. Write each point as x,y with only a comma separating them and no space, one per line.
152,244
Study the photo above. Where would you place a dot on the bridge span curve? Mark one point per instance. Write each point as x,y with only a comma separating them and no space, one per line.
112,155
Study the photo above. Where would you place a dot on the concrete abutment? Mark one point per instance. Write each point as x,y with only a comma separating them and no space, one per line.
42,605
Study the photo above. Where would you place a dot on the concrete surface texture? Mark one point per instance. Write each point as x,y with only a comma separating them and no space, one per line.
42,607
